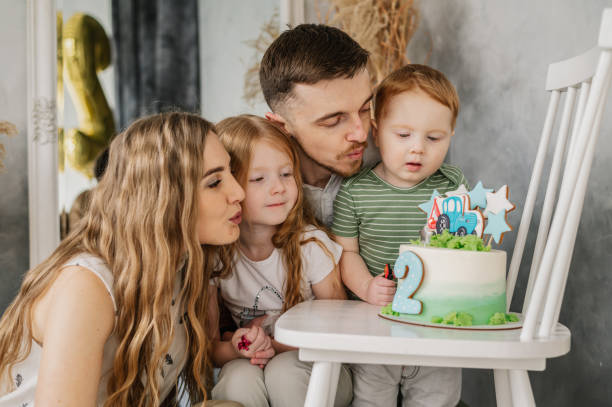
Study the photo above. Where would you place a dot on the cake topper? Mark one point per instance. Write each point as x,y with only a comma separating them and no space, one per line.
497,201
462,212
497,226
478,196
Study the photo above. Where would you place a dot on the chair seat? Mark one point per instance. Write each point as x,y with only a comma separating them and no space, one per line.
352,332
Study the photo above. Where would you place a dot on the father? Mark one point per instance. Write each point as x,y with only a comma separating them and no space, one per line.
314,79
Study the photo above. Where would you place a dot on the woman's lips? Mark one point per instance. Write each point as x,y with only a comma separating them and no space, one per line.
414,166
276,205
237,218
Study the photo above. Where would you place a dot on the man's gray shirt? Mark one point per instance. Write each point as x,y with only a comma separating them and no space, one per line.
321,200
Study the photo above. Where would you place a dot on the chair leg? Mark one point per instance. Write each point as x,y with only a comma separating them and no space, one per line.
333,384
319,385
521,389
502,388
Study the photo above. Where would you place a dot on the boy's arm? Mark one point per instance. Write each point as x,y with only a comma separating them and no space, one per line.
355,275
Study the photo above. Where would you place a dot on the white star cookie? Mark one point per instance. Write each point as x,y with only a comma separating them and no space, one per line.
459,191
496,201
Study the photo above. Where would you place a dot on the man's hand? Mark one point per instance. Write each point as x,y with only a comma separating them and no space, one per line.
380,291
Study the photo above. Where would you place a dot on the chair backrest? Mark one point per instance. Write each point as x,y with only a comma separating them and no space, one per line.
586,78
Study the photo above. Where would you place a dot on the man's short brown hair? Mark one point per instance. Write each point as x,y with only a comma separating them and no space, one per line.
411,77
308,54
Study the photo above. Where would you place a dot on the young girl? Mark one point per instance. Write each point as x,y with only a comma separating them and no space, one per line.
117,312
281,259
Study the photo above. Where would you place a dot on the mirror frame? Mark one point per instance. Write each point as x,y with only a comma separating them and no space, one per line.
42,128
43,195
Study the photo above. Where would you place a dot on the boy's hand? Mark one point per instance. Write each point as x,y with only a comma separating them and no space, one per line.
380,291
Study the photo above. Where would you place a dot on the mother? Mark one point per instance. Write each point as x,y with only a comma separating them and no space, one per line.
118,311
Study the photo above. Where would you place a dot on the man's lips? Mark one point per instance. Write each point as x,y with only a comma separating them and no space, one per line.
237,218
356,153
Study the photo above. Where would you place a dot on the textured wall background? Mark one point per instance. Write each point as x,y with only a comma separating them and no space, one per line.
14,249
226,28
497,53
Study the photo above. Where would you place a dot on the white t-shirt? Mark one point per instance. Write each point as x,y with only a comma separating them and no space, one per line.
257,288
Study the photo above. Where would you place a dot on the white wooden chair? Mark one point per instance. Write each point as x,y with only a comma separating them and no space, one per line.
333,332
585,79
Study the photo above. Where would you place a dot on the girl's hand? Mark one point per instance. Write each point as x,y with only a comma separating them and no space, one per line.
248,341
380,291
267,351
263,356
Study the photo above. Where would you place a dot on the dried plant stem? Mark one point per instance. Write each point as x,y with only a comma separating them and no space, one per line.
10,130
383,27
269,32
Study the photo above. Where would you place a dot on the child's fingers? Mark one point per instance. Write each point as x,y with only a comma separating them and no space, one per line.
260,362
252,333
266,352
260,337
383,282
386,299
383,301
385,290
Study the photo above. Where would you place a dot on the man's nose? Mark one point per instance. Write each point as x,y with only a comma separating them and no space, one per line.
359,131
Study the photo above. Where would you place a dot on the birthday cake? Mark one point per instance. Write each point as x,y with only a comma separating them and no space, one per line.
452,277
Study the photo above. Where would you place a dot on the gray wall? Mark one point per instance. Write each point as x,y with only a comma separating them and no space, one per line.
226,28
14,250
497,53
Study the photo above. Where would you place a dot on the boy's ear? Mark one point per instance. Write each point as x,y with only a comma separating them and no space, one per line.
374,132
279,120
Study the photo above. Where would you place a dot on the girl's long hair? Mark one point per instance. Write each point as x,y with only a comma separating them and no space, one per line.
239,135
142,223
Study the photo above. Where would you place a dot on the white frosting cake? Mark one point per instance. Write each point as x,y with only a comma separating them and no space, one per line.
459,281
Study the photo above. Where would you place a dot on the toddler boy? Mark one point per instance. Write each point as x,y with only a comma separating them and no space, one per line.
415,110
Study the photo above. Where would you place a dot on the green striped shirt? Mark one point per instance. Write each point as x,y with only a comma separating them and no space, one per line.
382,216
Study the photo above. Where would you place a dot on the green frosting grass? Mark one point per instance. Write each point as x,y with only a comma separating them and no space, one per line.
500,318
458,318
449,241
454,318
386,310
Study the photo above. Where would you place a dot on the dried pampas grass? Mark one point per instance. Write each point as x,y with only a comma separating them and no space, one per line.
383,27
269,32
10,130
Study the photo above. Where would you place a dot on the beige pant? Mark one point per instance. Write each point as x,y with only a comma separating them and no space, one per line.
218,403
421,386
283,382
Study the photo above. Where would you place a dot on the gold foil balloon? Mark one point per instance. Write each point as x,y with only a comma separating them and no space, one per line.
85,52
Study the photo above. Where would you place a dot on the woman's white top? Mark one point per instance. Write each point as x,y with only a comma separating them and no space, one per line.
257,288
25,374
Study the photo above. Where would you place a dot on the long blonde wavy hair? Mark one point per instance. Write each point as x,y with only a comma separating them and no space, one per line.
239,135
142,223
